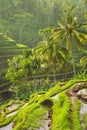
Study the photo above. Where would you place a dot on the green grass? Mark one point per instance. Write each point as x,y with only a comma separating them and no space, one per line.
30,117
61,109
76,116
85,119
10,103
58,88
4,121
4,112
61,117
33,98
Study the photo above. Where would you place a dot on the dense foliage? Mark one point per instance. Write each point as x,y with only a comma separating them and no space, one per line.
43,42
63,29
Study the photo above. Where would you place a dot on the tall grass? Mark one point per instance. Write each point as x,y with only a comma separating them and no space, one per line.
30,117
61,109
85,120
76,116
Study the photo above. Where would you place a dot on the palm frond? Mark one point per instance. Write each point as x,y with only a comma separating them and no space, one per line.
60,58
78,39
83,61
64,52
61,25
81,31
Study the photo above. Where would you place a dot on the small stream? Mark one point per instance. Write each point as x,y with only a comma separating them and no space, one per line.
15,112
12,113
82,91
55,97
83,109
7,127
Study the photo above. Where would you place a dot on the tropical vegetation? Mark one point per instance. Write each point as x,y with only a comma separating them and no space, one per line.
43,64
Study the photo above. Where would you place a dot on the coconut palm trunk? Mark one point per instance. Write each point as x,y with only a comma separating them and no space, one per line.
73,64
54,72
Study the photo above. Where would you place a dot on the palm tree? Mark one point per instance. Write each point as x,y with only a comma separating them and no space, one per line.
83,61
51,54
71,32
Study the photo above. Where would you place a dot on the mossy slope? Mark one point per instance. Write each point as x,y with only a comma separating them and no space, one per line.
32,116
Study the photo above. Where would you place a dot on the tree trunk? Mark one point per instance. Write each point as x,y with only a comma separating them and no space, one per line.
73,63
47,75
54,72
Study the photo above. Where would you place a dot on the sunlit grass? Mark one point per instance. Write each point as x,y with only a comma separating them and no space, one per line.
85,120
61,117
30,117
76,116
4,121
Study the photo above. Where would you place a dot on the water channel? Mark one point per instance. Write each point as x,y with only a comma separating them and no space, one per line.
83,109
7,127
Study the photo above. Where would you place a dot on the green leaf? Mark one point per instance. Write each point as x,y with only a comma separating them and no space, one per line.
21,46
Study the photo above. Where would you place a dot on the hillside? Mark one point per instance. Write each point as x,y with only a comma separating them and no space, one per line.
43,65
8,49
62,107
22,21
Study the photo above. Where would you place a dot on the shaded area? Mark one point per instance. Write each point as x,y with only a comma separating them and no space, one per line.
6,95
48,103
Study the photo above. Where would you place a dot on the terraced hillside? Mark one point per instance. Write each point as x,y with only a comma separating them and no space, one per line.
63,107
8,49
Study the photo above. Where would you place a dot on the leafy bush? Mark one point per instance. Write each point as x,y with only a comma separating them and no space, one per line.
81,75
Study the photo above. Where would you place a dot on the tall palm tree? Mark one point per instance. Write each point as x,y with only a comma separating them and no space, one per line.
51,54
71,32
